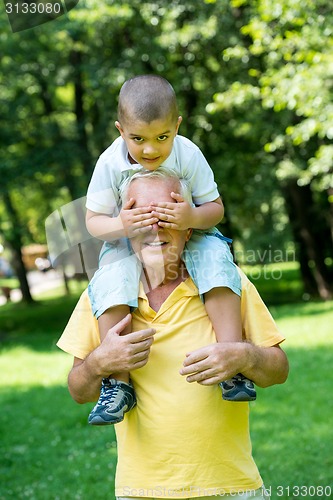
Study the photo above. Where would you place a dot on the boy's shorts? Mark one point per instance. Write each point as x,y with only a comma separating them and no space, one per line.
207,257
209,261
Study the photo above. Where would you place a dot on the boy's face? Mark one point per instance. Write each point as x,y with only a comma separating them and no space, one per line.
149,144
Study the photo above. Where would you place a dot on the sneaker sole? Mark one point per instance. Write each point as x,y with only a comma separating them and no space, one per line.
97,420
112,419
240,397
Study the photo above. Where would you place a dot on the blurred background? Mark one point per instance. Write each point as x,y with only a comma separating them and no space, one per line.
254,81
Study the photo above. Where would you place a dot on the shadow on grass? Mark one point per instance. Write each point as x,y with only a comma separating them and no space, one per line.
48,449
292,426
36,325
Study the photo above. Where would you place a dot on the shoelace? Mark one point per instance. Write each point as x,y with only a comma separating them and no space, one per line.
110,393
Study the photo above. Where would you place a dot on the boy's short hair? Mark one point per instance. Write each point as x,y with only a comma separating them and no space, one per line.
147,98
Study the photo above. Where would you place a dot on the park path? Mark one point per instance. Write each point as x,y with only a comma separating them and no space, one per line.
39,282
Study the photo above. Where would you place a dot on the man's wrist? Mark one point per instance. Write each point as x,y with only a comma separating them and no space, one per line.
94,366
250,358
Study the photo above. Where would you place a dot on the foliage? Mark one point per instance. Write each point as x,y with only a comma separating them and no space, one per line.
279,106
254,81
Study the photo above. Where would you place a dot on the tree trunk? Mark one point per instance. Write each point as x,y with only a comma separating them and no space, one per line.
76,60
14,239
306,226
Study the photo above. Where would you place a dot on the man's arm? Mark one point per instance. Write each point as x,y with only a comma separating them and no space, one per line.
212,364
114,355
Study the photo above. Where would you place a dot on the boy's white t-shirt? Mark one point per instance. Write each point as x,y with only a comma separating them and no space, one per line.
113,168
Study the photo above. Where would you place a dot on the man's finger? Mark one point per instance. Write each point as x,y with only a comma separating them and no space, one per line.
121,325
141,335
210,381
195,357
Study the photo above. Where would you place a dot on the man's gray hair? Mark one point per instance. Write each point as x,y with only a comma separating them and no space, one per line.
163,174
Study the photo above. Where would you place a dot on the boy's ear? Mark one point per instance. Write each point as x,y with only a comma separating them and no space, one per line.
118,126
180,119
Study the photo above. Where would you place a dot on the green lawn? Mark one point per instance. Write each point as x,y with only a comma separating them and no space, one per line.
49,452
292,424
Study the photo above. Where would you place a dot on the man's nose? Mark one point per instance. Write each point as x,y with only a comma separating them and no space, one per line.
155,228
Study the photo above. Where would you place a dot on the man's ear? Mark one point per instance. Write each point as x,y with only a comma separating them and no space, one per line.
189,234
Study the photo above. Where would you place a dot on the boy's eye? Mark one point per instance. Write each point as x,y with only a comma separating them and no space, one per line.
162,138
137,139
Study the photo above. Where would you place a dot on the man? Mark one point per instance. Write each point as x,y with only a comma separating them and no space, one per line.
181,440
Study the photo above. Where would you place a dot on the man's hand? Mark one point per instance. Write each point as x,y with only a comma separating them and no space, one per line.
136,220
214,363
125,353
115,354
177,215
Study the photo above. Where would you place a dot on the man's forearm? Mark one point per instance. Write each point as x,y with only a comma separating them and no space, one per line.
266,366
84,380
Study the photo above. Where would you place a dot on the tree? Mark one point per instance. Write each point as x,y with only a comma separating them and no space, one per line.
253,82
285,62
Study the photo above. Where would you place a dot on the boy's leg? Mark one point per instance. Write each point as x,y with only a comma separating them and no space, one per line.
210,263
223,308
117,394
109,319
116,282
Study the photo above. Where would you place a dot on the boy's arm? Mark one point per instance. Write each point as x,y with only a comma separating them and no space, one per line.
181,215
208,214
126,224
104,227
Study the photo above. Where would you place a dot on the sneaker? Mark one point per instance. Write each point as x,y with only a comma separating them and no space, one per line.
238,388
116,398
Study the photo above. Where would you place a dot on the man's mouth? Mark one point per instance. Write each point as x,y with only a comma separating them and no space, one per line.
155,243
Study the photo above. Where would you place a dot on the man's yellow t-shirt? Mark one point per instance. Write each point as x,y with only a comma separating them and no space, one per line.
181,439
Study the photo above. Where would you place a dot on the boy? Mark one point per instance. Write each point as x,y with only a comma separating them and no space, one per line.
148,122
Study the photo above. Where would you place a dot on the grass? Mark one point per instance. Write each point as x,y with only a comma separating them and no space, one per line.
47,449
49,452
291,424
277,283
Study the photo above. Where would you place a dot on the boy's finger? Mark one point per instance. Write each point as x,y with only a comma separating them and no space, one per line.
177,197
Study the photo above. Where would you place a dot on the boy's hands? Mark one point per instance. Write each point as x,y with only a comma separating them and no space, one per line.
177,215
136,220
